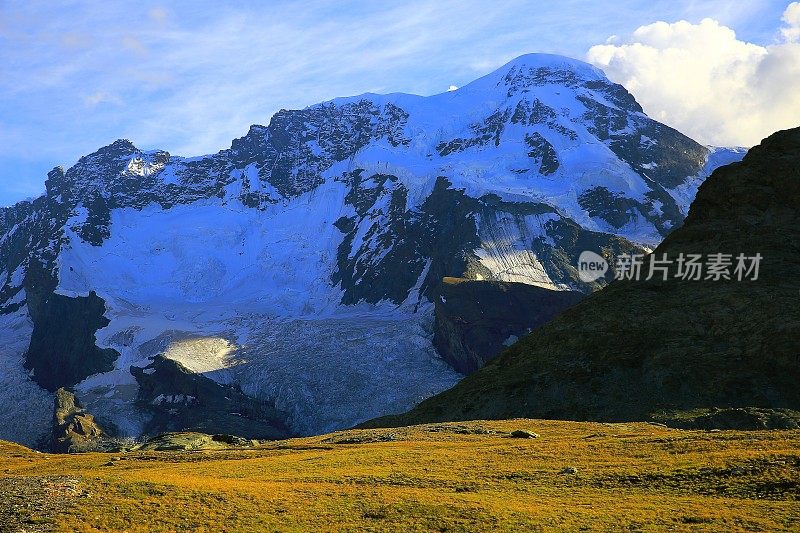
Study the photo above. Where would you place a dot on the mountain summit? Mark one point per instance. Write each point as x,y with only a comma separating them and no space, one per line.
292,274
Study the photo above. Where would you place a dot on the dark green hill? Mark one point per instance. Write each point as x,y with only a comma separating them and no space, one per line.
637,348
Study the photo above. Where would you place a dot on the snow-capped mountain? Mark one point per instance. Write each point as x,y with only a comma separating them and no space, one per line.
294,271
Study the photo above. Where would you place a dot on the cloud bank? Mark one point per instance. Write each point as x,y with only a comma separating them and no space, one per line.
707,83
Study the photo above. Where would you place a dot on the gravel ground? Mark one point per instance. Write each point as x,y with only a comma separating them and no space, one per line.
30,504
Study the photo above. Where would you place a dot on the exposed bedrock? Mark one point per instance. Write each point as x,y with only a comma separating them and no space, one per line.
180,400
62,351
74,429
475,320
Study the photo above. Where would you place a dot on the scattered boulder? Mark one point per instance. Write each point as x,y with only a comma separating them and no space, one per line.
361,438
460,429
523,434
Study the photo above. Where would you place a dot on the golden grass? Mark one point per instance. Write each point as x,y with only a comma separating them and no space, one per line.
442,477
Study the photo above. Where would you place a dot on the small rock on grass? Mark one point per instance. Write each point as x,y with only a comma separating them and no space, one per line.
523,434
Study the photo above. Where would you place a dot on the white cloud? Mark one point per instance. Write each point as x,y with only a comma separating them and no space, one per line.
159,15
704,81
101,97
792,19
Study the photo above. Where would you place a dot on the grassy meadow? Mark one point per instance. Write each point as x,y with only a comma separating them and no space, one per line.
470,476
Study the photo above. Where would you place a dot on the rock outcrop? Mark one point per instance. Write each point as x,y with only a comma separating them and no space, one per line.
740,418
475,320
62,351
74,429
179,400
192,441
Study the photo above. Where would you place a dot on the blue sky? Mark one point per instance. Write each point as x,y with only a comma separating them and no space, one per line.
188,77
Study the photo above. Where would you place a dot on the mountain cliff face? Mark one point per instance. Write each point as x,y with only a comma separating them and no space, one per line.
643,348
474,320
298,266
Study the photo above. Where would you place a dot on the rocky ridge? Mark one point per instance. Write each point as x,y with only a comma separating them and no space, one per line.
73,428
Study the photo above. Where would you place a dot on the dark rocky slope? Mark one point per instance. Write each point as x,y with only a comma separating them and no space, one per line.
475,320
642,347
63,348
180,400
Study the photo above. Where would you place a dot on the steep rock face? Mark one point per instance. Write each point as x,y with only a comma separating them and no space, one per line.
62,350
638,348
181,400
346,213
475,320
73,428
437,239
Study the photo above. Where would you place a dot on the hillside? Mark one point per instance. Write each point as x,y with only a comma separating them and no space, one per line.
639,348
444,477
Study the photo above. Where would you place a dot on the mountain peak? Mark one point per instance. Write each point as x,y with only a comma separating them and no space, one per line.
118,149
542,69
531,71
346,213
121,146
555,62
